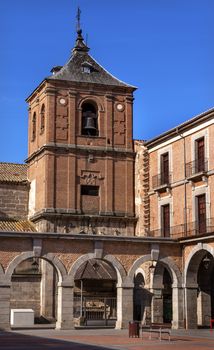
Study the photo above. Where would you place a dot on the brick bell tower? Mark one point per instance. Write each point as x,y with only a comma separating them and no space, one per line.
81,158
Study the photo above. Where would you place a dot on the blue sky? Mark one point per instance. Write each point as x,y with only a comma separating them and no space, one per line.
164,47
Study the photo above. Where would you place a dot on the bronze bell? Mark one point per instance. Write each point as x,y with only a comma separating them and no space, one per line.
90,122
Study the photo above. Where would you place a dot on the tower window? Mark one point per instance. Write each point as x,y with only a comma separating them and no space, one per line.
33,127
89,120
86,69
42,124
87,190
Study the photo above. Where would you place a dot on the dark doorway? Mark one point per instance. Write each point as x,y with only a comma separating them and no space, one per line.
167,297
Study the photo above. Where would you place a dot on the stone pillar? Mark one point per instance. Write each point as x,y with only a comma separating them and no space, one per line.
191,306
47,290
177,308
157,305
124,305
204,308
65,306
5,306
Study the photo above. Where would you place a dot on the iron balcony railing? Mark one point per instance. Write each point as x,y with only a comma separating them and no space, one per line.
191,229
162,179
196,167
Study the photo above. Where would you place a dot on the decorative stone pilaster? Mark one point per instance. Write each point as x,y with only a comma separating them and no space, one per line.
191,306
124,305
65,306
157,305
204,307
177,308
5,305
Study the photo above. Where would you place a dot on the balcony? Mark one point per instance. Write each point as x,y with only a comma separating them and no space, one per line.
161,182
193,229
196,170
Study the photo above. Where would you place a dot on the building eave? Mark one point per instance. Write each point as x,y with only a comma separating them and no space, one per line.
198,119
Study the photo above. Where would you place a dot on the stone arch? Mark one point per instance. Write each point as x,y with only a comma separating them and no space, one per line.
137,264
48,257
195,312
173,270
140,270
193,260
121,274
91,99
1,271
167,262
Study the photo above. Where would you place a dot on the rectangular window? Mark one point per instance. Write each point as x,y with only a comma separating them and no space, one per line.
199,157
165,168
87,190
201,215
165,214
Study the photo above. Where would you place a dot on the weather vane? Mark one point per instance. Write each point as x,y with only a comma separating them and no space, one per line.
78,18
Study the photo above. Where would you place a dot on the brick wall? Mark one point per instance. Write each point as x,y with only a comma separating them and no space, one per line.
13,200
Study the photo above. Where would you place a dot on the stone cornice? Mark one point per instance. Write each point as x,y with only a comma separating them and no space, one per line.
85,150
66,213
84,237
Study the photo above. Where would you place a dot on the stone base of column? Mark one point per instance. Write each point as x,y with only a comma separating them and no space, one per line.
5,307
65,325
121,325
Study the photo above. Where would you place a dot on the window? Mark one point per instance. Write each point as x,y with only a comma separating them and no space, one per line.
89,120
201,214
199,156
42,124
165,168
86,69
165,218
87,190
33,127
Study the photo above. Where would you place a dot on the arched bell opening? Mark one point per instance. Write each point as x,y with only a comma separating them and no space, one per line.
90,119
34,287
95,294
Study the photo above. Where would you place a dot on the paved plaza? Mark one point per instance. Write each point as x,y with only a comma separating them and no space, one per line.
102,339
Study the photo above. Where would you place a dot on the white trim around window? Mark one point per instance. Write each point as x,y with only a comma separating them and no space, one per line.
203,133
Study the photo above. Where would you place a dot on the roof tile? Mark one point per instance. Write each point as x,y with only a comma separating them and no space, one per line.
12,172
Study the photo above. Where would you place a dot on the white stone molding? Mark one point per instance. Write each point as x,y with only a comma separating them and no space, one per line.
167,149
137,264
60,268
173,270
197,191
91,99
166,261
142,272
164,201
200,248
203,133
121,274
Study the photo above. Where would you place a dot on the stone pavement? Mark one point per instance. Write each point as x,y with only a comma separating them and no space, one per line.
102,339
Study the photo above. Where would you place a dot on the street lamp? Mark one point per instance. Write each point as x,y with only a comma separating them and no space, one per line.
153,266
206,262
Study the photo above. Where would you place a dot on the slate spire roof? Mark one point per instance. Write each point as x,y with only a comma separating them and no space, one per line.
82,68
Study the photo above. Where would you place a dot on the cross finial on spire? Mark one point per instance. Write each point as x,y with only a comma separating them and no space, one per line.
78,18
80,45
